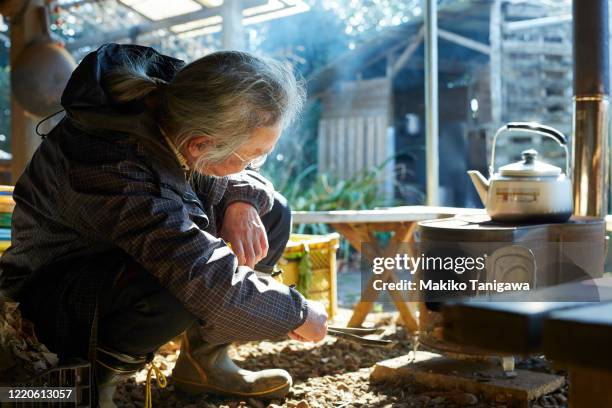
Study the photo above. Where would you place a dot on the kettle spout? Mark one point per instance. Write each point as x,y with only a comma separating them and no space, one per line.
481,184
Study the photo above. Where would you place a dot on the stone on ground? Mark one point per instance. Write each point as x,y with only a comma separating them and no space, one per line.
481,378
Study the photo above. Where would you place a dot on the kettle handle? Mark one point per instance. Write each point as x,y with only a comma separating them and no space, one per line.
535,128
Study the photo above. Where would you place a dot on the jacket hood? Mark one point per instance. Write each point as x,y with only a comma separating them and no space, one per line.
85,95
89,107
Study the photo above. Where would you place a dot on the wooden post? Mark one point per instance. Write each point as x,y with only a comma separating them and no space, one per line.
341,146
332,164
25,27
232,36
351,163
495,77
323,147
371,142
360,157
389,135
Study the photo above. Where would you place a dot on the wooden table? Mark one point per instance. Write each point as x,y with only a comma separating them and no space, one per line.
360,226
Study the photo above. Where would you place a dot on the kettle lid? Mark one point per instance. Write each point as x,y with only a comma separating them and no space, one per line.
529,167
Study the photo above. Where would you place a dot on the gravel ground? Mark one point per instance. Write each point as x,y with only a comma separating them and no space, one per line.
333,373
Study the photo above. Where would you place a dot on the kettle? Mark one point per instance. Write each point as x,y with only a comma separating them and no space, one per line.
529,190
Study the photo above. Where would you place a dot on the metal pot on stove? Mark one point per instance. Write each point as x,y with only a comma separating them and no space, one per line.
529,190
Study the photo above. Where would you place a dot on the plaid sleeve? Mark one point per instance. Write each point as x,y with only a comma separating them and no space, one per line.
250,187
124,205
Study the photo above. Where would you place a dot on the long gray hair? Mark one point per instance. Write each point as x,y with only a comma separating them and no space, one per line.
224,95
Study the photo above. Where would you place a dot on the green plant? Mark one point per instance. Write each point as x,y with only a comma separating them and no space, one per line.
327,192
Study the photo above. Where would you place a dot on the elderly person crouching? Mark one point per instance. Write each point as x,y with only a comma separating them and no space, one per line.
124,211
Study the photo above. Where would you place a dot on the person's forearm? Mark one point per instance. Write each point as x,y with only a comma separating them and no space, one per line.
249,187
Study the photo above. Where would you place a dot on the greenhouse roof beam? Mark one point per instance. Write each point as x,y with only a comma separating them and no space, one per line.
147,27
407,53
76,3
464,41
537,22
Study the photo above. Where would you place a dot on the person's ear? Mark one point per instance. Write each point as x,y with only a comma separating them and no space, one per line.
198,145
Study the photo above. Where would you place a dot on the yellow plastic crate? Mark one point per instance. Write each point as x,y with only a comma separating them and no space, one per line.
7,204
309,263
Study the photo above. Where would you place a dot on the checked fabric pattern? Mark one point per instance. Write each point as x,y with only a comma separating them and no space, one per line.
87,193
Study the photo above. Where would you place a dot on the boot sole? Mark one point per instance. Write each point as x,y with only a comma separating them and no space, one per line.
194,388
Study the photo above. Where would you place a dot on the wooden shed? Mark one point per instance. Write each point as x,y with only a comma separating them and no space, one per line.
353,130
491,70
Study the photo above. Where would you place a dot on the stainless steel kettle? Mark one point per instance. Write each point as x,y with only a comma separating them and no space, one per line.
529,190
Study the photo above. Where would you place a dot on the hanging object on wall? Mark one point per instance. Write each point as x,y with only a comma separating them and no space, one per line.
40,72
9,8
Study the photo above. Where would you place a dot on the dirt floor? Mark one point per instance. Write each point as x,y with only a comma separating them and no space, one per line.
333,373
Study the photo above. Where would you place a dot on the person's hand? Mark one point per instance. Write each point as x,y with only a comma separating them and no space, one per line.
243,229
315,326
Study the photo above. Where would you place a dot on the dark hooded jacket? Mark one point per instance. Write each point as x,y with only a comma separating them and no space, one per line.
105,178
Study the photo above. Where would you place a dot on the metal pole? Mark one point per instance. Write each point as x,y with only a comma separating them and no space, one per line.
590,154
232,35
431,101
495,38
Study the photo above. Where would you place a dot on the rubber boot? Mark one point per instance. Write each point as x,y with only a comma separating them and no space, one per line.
113,367
206,368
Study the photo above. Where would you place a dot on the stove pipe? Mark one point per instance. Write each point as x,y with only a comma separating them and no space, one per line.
590,159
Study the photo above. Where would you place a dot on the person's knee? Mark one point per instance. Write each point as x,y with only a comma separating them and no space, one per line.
167,313
278,220
278,228
148,316
284,211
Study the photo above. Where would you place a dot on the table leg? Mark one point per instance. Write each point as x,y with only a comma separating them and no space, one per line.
364,233
402,235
